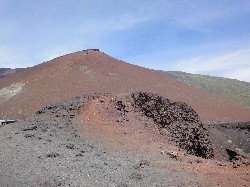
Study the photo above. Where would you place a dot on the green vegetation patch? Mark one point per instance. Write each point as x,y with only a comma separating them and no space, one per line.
235,90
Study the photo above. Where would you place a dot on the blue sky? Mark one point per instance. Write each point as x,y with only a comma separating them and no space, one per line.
199,36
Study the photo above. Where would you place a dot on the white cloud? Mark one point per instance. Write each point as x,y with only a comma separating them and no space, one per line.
200,15
11,58
234,65
240,74
115,23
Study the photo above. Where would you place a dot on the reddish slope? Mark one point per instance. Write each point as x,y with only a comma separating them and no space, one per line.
92,71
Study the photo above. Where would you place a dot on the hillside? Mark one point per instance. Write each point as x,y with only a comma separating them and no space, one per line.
235,90
92,71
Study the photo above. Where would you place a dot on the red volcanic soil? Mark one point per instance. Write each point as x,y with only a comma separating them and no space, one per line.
92,71
143,120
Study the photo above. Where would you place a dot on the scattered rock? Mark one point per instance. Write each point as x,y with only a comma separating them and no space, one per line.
220,163
50,184
31,128
70,146
136,176
239,150
52,155
237,158
80,154
141,164
119,120
172,154
29,135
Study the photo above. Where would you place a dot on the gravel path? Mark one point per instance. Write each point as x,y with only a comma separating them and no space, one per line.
35,153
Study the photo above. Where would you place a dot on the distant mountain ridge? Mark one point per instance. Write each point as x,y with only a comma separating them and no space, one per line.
235,90
6,71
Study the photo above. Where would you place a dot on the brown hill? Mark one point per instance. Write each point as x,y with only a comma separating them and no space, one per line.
91,71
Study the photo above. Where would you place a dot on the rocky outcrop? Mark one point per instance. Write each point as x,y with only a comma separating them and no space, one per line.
93,50
179,119
237,158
